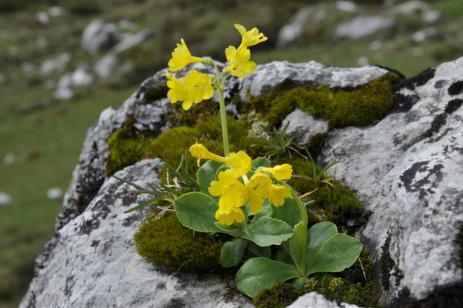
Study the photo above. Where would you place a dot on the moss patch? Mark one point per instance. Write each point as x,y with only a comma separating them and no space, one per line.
167,243
128,145
354,286
340,107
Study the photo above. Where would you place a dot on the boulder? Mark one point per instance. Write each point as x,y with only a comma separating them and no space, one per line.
406,171
404,168
313,299
363,26
303,127
294,29
99,36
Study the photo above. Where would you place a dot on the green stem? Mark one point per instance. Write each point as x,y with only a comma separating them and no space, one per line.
305,221
223,117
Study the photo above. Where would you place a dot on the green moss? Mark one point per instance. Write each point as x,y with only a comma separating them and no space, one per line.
340,107
336,203
354,286
167,243
128,145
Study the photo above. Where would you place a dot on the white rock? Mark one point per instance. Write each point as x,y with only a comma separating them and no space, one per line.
315,300
9,159
54,193
64,91
81,77
405,170
95,263
363,26
303,126
273,74
106,66
55,11
131,40
56,64
98,36
294,29
347,6
424,34
362,61
42,18
5,199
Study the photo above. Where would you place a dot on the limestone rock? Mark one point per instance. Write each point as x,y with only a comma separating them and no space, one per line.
303,126
294,29
274,74
94,263
363,26
407,169
99,35
314,299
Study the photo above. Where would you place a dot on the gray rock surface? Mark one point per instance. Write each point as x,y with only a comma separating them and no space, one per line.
407,171
94,263
132,40
56,64
313,299
274,74
99,35
303,126
363,26
294,29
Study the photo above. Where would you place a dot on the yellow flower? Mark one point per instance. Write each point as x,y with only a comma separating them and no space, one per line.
201,152
231,192
280,172
239,61
258,187
194,88
240,161
251,37
228,217
278,193
181,57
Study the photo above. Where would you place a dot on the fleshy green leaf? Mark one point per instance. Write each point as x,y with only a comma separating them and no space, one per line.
206,174
268,231
261,162
288,212
196,211
234,230
258,274
298,246
329,251
232,252
259,251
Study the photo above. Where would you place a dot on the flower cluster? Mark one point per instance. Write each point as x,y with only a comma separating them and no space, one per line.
195,86
235,190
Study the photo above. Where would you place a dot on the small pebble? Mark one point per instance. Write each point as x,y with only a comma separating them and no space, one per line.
54,193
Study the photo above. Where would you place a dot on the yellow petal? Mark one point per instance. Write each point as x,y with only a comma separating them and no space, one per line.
278,194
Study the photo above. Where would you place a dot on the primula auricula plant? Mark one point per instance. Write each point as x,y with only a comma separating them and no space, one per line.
249,199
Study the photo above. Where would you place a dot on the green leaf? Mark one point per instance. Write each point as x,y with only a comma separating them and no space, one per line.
234,230
232,252
206,174
196,211
298,246
260,162
329,251
259,251
268,231
258,274
288,212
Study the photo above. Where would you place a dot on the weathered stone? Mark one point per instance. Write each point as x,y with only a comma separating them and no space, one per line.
294,29
98,36
313,299
303,126
95,264
406,170
275,74
363,26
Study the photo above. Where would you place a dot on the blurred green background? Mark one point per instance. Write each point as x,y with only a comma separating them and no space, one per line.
54,83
